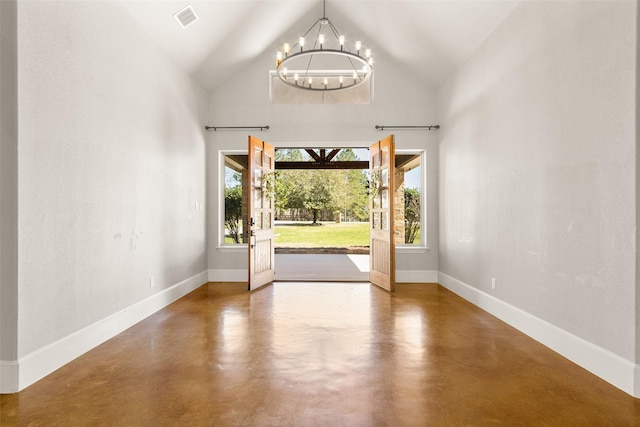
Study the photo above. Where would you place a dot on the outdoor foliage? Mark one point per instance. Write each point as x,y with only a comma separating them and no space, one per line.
318,191
233,211
411,214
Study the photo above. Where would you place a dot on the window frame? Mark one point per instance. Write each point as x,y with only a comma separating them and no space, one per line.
222,246
423,246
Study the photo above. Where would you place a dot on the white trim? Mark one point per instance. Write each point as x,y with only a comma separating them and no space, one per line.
229,275
416,276
40,363
609,366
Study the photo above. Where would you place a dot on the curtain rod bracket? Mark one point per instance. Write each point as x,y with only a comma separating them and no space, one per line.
217,128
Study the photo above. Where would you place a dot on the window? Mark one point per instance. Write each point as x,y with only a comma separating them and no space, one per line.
410,207
234,206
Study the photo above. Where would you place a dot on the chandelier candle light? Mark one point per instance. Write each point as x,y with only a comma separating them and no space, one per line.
323,64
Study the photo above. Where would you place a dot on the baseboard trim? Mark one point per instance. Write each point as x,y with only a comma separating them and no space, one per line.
612,368
17,375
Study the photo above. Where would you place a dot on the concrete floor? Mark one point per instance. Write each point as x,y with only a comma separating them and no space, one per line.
320,354
323,267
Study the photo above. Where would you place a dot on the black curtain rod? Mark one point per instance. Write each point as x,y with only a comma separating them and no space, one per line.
216,128
383,127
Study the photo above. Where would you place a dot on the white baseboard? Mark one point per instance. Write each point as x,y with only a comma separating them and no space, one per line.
612,368
416,276
17,375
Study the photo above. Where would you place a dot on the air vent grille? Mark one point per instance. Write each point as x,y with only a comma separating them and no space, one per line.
186,16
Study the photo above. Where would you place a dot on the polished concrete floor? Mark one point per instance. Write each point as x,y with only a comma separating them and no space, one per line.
320,354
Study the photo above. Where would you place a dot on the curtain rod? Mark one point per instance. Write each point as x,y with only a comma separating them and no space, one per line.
428,127
216,128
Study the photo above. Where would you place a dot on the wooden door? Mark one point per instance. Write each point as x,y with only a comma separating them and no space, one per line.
261,221
382,257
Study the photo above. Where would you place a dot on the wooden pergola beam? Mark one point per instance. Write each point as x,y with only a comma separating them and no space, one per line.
352,164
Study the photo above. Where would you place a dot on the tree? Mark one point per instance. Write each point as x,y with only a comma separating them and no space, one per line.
411,214
285,180
354,196
233,209
321,190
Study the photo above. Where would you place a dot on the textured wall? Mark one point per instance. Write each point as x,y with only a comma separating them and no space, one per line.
537,168
111,168
399,99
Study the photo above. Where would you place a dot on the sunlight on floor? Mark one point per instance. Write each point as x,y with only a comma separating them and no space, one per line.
360,261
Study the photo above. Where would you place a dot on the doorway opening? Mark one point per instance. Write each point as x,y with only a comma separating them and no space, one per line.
321,201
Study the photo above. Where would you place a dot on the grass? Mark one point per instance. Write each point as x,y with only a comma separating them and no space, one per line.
324,234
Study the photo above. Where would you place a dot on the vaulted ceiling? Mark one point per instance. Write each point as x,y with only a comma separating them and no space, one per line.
428,37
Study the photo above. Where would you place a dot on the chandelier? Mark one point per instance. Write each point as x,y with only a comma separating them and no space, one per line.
321,60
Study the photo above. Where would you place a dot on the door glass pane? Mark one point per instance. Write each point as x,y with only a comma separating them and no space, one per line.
385,198
258,157
266,223
267,161
257,174
385,177
258,224
384,157
385,220
258,199
376,220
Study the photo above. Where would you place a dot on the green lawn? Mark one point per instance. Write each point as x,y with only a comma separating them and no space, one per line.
325,234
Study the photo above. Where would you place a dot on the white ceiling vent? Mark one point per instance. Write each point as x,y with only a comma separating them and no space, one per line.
186,16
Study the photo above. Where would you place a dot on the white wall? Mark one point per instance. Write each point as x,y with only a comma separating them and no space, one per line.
111,174
399,99
538,169
8,184
637,219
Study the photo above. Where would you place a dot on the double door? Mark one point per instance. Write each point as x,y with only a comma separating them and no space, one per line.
381,213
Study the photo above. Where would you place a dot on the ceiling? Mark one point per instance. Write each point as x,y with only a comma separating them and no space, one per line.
429,37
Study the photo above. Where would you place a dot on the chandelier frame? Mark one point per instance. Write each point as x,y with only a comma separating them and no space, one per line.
358,72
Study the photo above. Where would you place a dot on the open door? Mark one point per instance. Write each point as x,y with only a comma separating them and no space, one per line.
382,256
261,191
